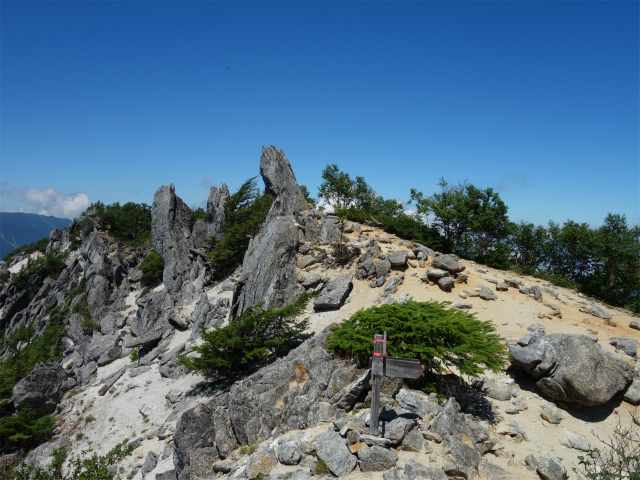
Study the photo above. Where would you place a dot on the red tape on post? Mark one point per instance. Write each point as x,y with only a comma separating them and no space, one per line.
377,354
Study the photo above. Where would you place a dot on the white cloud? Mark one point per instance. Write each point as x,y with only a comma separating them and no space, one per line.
52,202
206,182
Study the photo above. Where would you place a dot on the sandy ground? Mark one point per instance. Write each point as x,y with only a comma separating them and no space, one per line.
118,415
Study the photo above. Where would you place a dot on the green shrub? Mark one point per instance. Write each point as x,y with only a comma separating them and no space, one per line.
23,430
134,356
152,267
250,340
431,332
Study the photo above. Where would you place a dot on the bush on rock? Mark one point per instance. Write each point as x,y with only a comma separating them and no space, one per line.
436,335
252,339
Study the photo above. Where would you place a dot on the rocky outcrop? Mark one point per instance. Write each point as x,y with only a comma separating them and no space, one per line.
280,182
215,209
269,274
43,388
571,368
170,219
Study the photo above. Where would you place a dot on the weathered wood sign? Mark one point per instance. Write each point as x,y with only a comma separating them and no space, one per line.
383,366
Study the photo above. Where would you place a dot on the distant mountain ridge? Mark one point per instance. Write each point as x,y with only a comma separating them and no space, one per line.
17,229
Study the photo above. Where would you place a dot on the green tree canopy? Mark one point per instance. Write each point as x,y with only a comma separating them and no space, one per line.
475,221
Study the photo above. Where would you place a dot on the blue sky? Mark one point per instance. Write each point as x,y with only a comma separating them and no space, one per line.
110,100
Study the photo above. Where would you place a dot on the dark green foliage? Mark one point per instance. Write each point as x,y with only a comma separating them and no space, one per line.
198,214
475,221
431,332
337,187
23,430
43,348
617,277
245,212
33,274
251,340
152,267
129,223
83,467
38,246
20,335
528,244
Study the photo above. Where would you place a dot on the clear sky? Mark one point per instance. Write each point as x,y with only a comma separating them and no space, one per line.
110,100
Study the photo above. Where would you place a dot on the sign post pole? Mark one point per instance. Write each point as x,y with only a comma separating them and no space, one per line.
378,345
381,366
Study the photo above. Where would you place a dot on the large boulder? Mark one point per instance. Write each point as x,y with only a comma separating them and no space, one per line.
449,263
215,209
332,448
43,388
170,220
280,182
335,293
571,368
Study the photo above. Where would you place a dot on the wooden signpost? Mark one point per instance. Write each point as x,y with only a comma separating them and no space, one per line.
383,366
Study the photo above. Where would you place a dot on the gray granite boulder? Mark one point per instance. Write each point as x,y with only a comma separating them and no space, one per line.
414,470
551,468
448,262
332,448
597,311
261,463
571,368
43,388
398,259
626,345
376,459
334,293
436,273
446,283
290,450
486,293
632,395
551,413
